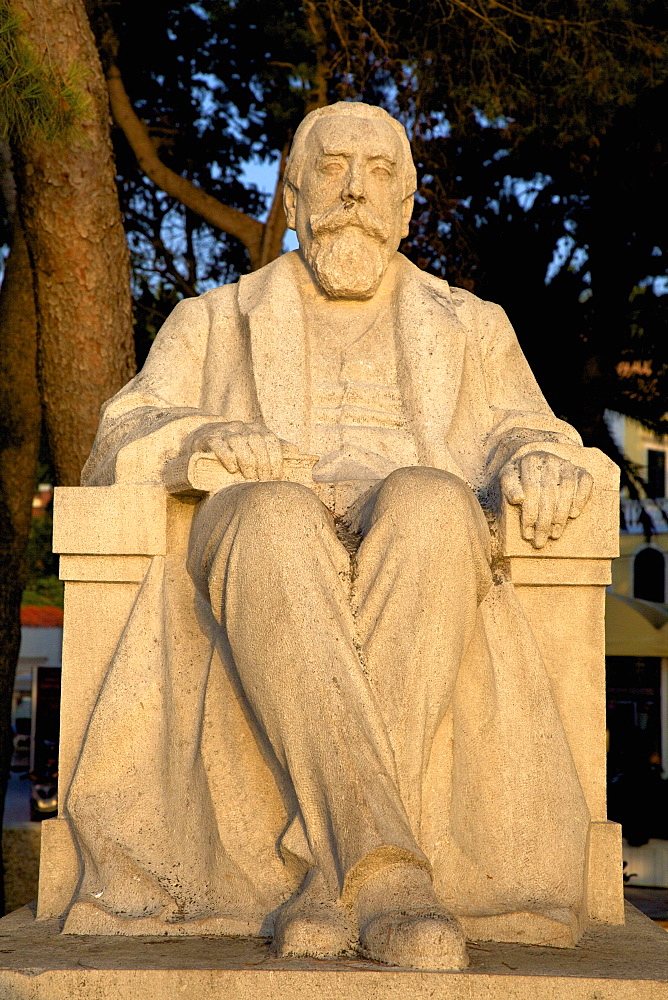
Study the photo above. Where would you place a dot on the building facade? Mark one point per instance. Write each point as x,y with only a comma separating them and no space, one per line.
637,660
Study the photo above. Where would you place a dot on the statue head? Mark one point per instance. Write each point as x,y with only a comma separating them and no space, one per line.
349,186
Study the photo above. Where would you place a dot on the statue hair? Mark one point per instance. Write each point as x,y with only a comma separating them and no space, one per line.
347,109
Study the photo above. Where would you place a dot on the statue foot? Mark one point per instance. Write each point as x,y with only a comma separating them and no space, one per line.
312,924
402,922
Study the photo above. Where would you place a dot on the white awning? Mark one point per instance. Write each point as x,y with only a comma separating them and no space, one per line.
634,627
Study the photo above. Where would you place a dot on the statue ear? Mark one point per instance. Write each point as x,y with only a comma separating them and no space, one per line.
289,204
406,213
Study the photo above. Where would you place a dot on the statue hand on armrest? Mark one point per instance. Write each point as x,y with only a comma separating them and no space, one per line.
250,449
549,489
221,453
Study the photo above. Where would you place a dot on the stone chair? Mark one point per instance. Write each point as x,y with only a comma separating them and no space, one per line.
107,538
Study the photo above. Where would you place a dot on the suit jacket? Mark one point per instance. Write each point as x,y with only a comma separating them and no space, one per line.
239,353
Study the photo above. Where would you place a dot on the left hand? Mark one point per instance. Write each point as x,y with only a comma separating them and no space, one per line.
550,491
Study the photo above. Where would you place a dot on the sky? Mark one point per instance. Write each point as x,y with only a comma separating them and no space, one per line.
264,175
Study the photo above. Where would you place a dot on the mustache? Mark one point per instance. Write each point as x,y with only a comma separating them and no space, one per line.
345,215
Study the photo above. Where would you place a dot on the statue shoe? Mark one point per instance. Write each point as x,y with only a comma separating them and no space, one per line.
402,922
313,924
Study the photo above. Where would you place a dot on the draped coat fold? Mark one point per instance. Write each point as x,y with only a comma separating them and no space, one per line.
189,822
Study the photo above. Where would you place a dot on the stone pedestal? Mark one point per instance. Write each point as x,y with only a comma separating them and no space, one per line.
38,963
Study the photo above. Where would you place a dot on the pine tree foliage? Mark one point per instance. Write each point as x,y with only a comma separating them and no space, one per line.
34,96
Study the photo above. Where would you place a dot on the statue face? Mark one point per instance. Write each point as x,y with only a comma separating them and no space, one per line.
350,210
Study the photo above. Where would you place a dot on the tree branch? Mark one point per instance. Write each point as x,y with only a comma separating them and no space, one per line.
243,227
172,269
275,225
318,95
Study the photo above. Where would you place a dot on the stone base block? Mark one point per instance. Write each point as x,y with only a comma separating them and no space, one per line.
38,963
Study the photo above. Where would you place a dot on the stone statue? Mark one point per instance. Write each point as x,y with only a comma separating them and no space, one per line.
349,740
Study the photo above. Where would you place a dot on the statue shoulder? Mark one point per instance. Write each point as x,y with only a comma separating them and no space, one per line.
185,333
462,298
191,319
218,300
470,308
269,280
487,319
486,322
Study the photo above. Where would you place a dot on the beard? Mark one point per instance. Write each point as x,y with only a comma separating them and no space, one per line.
348,264
348,252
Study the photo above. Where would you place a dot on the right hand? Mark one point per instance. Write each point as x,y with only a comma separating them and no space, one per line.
250,449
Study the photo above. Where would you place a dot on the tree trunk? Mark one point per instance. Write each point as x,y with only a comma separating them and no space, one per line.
276,224
20,417
72,222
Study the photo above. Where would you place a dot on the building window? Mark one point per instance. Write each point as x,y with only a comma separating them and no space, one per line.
656,472
649,575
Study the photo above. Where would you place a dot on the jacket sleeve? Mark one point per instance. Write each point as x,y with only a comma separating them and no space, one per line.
146,422
520,414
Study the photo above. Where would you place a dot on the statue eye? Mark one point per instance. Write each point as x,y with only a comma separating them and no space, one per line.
332,167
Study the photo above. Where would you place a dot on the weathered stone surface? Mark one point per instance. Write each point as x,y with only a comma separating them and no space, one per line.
38,963
333,664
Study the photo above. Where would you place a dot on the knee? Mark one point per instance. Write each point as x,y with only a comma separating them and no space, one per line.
275,510
262,520
422,490
436,510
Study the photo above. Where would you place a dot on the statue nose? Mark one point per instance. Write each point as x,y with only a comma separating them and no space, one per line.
353,190
354,196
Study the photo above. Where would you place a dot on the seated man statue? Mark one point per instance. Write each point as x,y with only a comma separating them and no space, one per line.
372,761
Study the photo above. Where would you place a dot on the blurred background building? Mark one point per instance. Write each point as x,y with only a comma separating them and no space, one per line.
637,661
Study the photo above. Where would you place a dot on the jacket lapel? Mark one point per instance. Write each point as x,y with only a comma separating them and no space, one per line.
431,342
269,300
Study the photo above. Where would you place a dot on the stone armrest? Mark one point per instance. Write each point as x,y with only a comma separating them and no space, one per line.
583,553
132,520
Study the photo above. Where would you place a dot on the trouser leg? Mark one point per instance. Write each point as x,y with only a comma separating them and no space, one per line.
278,581
422,569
